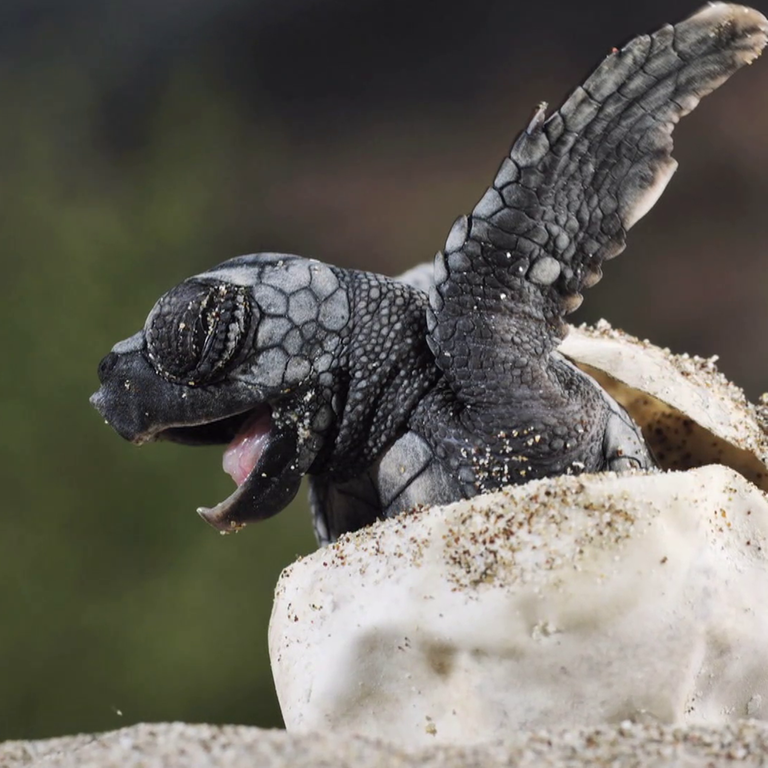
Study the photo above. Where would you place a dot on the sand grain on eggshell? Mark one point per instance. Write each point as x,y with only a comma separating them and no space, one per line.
563,602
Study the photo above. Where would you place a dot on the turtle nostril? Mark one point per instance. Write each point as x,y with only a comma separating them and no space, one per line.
106,365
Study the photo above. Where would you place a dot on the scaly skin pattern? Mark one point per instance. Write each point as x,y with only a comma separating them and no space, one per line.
389,394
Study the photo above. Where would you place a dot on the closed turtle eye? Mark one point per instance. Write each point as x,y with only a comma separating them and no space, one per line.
198,331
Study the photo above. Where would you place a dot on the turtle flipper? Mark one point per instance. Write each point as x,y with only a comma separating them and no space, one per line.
340,507
571,187
405,475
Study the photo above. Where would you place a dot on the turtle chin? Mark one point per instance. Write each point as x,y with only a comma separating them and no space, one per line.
262,458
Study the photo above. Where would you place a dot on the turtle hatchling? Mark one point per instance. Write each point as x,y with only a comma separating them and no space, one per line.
449,381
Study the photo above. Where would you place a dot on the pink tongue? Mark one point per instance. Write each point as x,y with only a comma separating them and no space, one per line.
244,452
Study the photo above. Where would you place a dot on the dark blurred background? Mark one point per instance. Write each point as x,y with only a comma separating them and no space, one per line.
142,141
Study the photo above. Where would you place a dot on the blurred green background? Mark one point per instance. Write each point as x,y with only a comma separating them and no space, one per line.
141,142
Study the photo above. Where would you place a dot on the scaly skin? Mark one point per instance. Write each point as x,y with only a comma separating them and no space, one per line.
389,394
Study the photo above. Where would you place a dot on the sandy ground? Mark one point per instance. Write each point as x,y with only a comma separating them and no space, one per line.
179,745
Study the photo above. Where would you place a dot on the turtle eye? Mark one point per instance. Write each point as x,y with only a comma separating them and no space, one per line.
197,331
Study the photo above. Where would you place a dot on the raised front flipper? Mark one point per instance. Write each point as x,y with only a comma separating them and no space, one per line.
564,198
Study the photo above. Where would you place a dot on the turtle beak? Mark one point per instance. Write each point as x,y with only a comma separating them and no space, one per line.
266,453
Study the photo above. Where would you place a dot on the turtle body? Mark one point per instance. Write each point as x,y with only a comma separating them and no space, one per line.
448,382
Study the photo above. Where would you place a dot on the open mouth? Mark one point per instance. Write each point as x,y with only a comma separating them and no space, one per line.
247,446
219,432
245,434
247,437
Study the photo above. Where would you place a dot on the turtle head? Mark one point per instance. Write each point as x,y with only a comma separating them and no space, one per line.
244,355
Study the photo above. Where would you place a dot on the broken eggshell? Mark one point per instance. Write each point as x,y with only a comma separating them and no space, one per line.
570,601
690,414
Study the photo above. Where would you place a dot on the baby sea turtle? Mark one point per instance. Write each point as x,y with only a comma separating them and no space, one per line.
392,393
